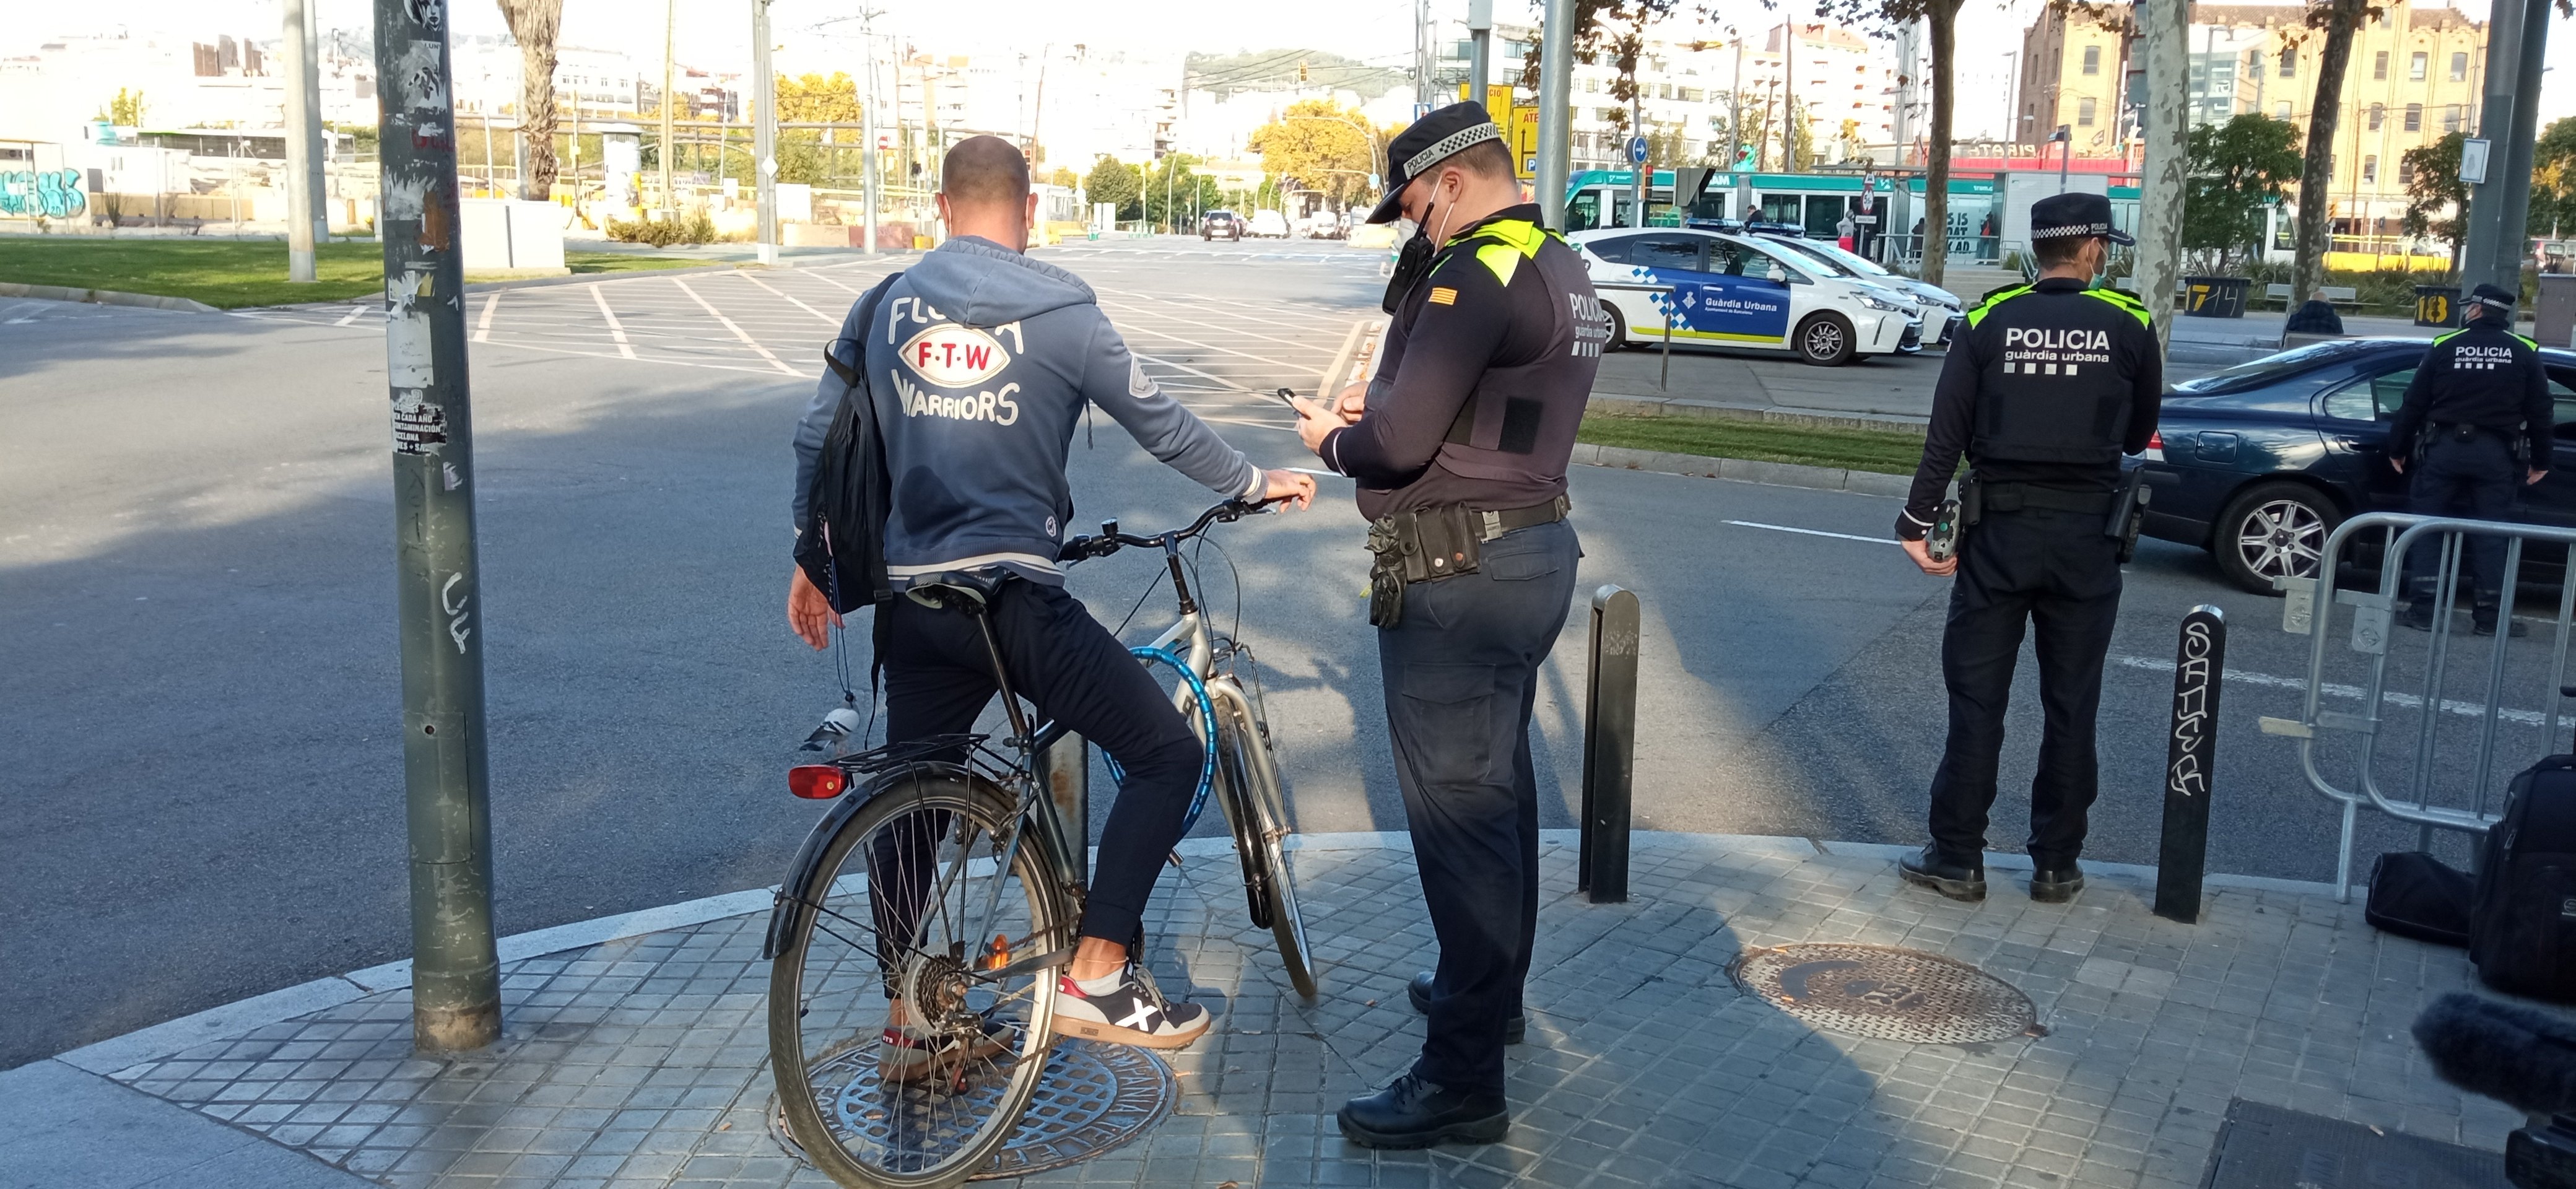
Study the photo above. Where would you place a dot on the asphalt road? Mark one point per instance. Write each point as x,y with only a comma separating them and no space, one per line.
196,604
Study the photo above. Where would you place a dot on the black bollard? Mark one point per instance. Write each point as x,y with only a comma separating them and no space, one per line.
1609,746
2200,664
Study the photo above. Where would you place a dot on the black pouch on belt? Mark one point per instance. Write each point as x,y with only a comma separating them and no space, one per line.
2129,512
1419,546
1386,574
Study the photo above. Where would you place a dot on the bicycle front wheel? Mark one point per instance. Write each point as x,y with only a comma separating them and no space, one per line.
904,1039
1259,816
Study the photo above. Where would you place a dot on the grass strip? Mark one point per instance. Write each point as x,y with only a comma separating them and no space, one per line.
229,274
1886,452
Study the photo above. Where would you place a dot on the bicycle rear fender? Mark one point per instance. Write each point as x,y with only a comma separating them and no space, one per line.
785,911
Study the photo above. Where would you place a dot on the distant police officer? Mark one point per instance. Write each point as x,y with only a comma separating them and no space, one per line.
1459,446
2049,385
2475,420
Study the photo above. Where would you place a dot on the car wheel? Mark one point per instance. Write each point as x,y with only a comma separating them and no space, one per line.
1618,328
1826,340
2273,530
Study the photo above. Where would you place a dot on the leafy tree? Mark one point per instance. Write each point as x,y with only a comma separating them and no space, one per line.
1173,194
1064,177
1943,18
1324,146
534,24
124,111
2553,179
814,98
2432,178
2237,169
1115,181
2338,18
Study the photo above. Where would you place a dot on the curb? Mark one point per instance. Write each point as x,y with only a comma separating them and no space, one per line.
1629,405
107,1057
1776,474
106,297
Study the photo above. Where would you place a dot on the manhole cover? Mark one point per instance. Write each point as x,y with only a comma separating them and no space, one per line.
1094,1097
1887,993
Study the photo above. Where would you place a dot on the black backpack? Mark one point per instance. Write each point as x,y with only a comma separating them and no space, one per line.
2522,927
841,545
2413,894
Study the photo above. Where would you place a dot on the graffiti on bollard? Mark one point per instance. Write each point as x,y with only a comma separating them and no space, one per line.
51,193
2200,664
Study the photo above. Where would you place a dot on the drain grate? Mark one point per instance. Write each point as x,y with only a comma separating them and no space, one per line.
1094,1097
1887,993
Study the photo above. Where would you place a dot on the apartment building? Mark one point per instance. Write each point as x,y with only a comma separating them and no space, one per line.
2414,77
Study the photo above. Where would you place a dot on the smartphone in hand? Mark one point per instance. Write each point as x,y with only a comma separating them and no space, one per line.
1288,398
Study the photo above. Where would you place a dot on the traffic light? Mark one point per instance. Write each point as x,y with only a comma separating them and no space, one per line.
1301,70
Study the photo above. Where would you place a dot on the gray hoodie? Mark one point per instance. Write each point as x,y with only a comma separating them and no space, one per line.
979,363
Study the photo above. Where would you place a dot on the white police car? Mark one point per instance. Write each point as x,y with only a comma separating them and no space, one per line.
1740,292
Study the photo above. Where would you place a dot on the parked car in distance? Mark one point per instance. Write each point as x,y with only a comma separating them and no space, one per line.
1216,225
1942,310
1268,225
2258,463
1744,292
1320,225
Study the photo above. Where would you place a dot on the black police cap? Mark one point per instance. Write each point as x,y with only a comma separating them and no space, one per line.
1428,142
2492,297
2075,214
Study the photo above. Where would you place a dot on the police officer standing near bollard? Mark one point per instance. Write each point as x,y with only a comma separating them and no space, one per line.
2476,418
1460,446
2049,385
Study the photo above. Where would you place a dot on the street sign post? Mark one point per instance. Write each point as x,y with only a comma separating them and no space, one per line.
1636,150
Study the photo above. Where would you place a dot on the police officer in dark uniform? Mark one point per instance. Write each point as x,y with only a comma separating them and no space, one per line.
2047,387
1459,446
2474,426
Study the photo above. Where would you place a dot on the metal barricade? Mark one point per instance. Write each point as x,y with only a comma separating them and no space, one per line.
2303,612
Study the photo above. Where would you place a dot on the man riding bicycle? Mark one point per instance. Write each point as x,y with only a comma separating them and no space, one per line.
979,361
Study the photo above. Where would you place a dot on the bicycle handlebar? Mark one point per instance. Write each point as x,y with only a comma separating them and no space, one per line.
1110,540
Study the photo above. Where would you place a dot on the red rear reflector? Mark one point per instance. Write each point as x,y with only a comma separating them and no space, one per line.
2156,441
816,782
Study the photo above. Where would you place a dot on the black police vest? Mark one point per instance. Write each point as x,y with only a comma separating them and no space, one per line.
1518,425
2051,391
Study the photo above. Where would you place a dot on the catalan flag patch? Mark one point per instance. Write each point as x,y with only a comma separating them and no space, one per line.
1442,295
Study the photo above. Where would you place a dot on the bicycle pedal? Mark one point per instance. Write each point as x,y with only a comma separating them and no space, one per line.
1175,858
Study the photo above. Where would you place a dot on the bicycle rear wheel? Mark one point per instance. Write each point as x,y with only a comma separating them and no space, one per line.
1250,785
902,1059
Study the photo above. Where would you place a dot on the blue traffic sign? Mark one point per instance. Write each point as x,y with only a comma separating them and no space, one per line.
1636,150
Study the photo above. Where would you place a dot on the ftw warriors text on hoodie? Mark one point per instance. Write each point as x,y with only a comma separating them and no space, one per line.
979,363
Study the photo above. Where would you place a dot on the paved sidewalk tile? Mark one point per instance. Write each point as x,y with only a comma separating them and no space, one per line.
643,1061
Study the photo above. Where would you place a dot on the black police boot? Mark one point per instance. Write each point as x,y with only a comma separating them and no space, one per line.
1515,1030
2056,885
1413,1113
1958,881
2517,629
2419,616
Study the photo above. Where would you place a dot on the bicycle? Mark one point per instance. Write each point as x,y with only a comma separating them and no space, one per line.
912,999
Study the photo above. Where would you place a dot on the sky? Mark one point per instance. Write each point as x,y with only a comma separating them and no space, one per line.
821,34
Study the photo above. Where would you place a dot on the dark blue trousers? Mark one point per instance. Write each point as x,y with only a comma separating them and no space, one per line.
1461,672
2476,477
2056,572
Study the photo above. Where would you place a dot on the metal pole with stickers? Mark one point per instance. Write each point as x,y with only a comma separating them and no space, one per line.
456,967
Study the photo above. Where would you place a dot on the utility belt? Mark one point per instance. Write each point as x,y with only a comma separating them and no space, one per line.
1443,541
2462,431
2123,510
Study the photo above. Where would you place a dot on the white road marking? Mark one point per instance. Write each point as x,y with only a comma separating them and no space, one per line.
483,324
718,315
616,329
1811,532
356,310
2334,689
828,320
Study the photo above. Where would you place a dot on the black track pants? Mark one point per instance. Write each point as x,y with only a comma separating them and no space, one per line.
939,678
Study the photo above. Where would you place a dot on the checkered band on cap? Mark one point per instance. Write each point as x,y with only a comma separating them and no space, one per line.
1448,146
2067,229
2492,302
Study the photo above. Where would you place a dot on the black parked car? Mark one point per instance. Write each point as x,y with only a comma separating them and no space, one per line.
2260,462
1220,225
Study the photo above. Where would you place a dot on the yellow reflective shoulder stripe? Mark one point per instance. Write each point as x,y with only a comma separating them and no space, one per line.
2440,339
2534,344
2135,309
1978,312
1500,259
